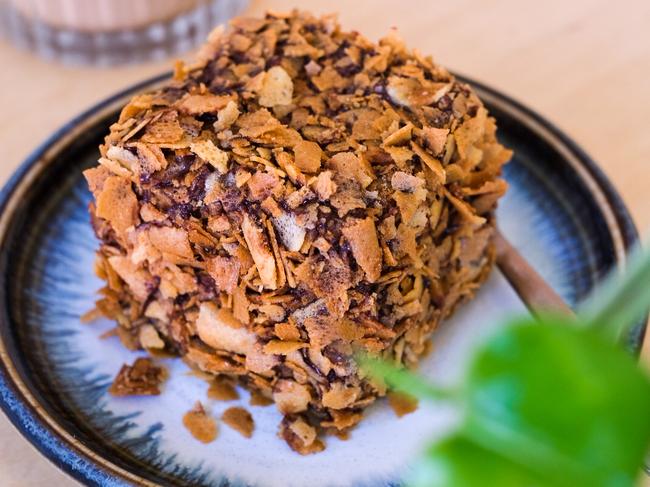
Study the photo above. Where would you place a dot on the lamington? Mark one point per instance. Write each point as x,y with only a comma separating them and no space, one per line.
296,196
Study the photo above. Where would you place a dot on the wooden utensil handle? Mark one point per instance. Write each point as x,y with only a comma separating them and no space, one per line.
534,291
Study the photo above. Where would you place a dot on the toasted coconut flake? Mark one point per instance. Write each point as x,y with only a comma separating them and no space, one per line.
407,244
240,305
291,397
291,234
402,404
349,330
262,184
262,255
115,167
95,177
135,277
226,116
301,436
257,123
348,165
324,186
277,88
200,425
281,276
327,79
274,312
143,378
339,396
218,224
365,126
399,136
328,277
91,315
222,389
343,420
431,162
206,150
149,213
435,139
280,347
206,360
287,331
150,159
122,155
171,240
259,399
470,132
208,50
224,271
362,236
149,338
165,129
159,312
409,205
218,328
198,104
401,155
411,92
299,197
322,329
138,104
118,204
259,362
307,156
405,182
465,210
240,420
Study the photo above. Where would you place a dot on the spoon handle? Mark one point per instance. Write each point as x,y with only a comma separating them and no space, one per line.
534,291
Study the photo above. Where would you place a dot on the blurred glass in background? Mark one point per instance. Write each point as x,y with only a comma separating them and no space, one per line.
110,32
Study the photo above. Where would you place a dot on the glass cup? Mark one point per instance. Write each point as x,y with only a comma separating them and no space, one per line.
110,32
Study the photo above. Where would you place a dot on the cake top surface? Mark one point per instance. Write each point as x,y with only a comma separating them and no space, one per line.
291,106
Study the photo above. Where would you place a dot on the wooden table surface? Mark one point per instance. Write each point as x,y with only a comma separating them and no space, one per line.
583,64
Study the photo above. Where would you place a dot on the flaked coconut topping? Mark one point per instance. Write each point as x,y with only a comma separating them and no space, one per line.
298,194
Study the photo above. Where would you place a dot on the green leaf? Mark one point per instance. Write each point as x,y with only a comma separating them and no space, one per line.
458,462
552,402
561,402
622,299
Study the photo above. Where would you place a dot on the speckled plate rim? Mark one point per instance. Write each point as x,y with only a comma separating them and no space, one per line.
83,464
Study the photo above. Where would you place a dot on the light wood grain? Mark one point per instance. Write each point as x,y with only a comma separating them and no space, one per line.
584,65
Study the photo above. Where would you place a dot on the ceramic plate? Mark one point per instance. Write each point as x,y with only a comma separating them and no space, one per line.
54,371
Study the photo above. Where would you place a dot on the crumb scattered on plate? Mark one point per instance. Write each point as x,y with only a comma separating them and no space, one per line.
240,420
200,424
402,404
342,435
143,378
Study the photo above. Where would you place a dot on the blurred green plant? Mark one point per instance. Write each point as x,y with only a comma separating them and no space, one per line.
551,401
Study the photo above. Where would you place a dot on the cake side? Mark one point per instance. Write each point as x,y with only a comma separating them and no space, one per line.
298,195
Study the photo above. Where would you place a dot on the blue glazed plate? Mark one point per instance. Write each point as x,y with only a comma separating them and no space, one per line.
560,212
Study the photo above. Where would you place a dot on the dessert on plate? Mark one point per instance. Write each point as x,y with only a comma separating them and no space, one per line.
298,195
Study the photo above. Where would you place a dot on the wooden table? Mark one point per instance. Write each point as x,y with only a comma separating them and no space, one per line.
583,64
